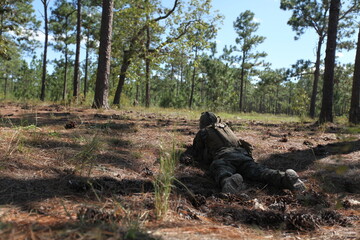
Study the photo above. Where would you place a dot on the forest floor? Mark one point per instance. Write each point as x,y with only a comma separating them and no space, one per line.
79,173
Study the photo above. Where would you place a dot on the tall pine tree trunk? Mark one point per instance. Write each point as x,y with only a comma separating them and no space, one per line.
354,114
77,53
103,71
147,67
43,77
5,86
124,67
137,93
65,73
242,76
147,82
86,66
191,99
316,78
326,114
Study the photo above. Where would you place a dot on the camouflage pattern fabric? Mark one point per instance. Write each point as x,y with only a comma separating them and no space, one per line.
217,148
231,160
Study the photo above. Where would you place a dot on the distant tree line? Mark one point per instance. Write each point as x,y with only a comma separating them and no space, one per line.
142,52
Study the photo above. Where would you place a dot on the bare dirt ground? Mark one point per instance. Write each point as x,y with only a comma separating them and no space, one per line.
77,173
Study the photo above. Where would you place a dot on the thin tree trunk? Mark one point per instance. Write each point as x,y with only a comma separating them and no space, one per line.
261,105
193,80
86,66
43,78
124,67
316,78
65,74
326,114
192,87
354,114
5,87
77,54
103,71
147,82
242,75
147,67
132,50
137,93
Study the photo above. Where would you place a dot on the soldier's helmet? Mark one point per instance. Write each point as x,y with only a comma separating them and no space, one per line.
206,119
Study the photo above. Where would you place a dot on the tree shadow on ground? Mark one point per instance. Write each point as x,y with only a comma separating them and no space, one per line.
202,185
38,119
61,118
22,192
97,227
300,160
50,143
336,177
340,179
298,220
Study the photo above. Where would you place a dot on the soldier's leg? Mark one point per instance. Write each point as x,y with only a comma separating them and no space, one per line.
221,168
257,172
229,161
245,165
224,171
235,160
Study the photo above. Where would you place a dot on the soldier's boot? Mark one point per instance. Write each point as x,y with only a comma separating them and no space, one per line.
233,184
291,181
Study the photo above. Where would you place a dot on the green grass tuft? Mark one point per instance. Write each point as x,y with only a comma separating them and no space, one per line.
84,160
163,182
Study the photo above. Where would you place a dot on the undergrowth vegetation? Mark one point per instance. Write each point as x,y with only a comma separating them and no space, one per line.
164,180
85,159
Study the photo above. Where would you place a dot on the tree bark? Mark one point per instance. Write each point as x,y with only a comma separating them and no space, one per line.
65,73
103,71
289,101
316,78
43,78
137,93
354,114
5,86
191,99
86,66
193,80
147,67
242,74
124,67
147,84
326,114
77,53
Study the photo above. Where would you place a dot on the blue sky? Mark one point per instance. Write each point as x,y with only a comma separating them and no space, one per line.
280,45
282,49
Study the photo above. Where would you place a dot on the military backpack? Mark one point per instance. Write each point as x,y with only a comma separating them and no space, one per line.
220,135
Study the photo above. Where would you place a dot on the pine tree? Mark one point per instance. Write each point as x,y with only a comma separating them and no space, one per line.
103,72
326,114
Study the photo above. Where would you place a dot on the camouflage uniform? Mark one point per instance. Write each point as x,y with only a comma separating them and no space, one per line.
227,157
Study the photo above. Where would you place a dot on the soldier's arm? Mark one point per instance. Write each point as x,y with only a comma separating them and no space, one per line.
187,157
193,152
247,146
199,146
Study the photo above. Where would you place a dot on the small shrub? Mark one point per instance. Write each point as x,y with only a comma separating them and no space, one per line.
15,144
164,181
84,160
